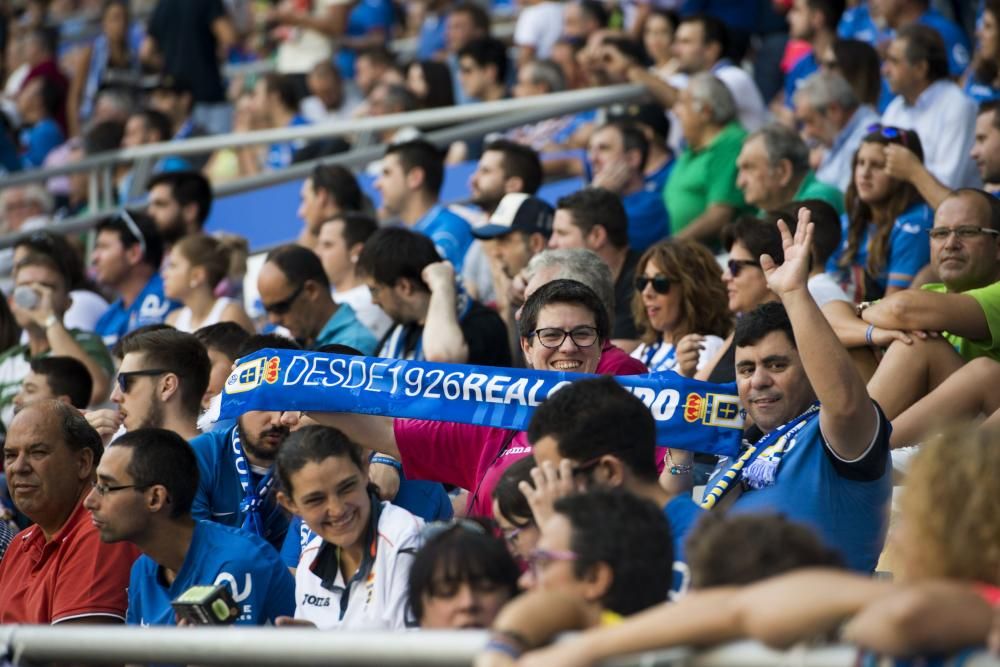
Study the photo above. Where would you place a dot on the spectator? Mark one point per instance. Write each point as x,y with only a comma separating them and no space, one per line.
146,126
387,99
323,473
964,254
223,342
295,293
981,80
61,379
369,24
276,103
512,512
430,83
504,167
815,22
586,267
186,38
341,240
460,578
370,66
328,191
40,55
466,22
38,106
930,104
173,98
191,275
482,70
832,117
618,153
774,169
539,26
581,19
410,184
179,203
701,196
986,149
680,307
433,319
427,22
653,123
327,98
236,466
306,37
659,28
519,229
595,219
160,473
859,63
49,459
883,235
126,260
541,77
474,457
901,14
42,280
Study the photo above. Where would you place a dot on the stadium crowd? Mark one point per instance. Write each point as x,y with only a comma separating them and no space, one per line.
802,208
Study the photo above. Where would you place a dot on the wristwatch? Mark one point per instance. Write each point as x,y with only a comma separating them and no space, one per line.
50,320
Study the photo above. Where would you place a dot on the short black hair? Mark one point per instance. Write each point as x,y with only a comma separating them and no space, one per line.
761,321
564,291
157,121
633,139
103,137
358,227
757,236
420,153
480,17
991,106
629,534
832,11
596,206
596,11
460,555
511,503
283,85
163,458
615,423
487,51
826,225
378,54
65,376
519,160
180,353
63,253
714,31
258,342
187,187
299,264
314,444
225,337
146,226
339,183
924,43
394,253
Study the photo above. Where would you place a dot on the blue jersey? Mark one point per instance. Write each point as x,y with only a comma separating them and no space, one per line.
150,307
365,17
38,141
980,91
648,221
857,23
846,503
909,251
955,40
282,154
656,181
450,232
803,68
221,495
682,513
260,583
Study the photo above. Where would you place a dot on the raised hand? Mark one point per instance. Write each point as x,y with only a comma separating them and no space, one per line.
793,274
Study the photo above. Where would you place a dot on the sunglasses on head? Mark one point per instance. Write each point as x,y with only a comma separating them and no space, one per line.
661,285
133,228
890,133
737,265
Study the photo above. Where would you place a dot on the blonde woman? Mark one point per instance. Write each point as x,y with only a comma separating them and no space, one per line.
197,264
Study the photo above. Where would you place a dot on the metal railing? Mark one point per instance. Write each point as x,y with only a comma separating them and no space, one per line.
293,646
467,121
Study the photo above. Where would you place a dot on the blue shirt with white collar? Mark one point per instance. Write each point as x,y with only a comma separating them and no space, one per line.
150,307
449,231
344,328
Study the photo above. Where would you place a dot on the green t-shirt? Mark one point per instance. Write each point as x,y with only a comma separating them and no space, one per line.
15,365
813,189
988,299
705,177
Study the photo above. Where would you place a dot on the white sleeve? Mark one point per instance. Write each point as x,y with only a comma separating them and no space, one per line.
949,157
397,579
527,31
712,346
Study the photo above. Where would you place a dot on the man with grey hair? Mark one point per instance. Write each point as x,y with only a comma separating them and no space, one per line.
586,267
540,77
831,116
773,169
701,196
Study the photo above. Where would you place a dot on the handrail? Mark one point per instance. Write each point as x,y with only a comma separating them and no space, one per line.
294,646
553,102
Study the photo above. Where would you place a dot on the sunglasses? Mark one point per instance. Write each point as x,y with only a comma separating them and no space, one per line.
737,265
282,307
661,285
888,132
125,378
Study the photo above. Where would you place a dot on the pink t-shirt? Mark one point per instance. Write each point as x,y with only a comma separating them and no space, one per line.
616,361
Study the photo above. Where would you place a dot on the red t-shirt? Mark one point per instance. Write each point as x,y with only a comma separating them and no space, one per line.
72,575
616,361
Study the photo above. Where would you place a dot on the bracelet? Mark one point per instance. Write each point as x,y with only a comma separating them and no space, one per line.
674,468
502,645
387,460
868,335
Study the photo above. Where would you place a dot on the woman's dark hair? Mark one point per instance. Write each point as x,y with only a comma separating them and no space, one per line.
440,92
983,70
511,503
860,215
759,237
460,555
860,66
314,444
568,292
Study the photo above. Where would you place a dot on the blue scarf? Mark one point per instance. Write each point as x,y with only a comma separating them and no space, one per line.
689,414
255,494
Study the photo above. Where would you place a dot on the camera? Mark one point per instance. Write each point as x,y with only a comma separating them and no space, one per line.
206,605
26,297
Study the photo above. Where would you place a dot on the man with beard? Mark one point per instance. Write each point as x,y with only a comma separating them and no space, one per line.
236,484
161,381
179,203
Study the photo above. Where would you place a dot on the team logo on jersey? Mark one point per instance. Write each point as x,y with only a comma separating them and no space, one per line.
714,410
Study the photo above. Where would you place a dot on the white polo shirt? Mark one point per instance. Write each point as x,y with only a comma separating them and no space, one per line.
375,597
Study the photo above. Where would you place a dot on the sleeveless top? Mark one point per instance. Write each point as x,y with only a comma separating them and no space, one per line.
183,322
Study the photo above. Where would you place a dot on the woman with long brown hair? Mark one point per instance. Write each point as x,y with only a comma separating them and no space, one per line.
982,81
885,228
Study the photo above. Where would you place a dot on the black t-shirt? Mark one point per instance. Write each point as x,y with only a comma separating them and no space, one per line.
624,326
482,328
725,370
183,31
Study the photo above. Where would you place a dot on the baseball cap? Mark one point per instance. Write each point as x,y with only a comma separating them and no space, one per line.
517,212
